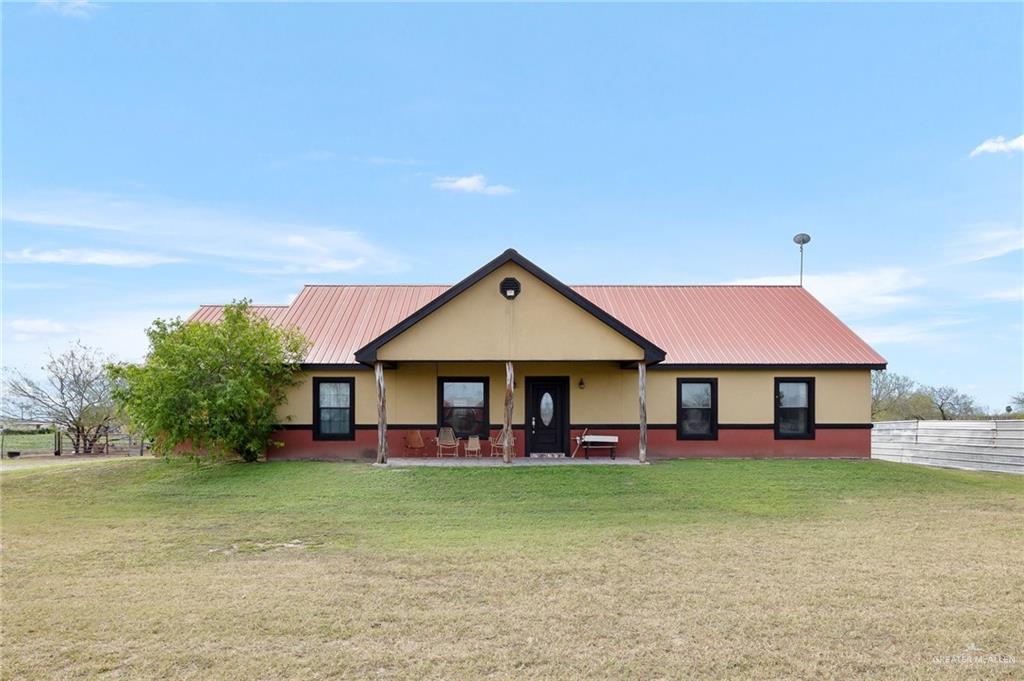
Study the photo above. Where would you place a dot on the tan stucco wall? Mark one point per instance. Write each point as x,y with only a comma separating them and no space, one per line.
540,324
298,409
747,395
609,395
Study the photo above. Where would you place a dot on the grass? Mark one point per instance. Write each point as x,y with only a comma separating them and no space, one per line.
28,442
787,569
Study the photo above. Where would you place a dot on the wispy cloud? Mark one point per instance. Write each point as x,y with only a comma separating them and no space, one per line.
190,231
34,285
471,184
120,333
999,145
79,9
86,256
918,331
984,241
858,293
1011,294
31,330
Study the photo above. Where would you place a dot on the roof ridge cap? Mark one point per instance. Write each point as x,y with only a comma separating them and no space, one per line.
690,285
370,285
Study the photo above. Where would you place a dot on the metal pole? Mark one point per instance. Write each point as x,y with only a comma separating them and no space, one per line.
801,264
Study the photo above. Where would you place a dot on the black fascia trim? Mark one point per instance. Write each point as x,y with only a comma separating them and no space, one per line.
368,353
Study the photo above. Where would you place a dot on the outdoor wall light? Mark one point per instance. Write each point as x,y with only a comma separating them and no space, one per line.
581,384
510,287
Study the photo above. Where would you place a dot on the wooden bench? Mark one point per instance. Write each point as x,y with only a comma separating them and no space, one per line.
588,442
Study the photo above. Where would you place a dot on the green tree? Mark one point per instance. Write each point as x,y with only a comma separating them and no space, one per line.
889,395
900,398
211,387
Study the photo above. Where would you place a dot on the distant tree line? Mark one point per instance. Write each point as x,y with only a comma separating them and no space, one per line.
895,397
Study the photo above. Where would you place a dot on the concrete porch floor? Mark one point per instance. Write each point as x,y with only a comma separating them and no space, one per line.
404,462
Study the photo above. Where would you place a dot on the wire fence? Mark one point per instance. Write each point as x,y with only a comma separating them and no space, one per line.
62,443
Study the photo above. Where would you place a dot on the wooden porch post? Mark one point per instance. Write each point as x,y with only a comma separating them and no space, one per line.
382,414
506,426
642,368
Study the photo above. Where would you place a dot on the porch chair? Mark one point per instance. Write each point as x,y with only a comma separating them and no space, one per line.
413,443
498,449
446,440
472,446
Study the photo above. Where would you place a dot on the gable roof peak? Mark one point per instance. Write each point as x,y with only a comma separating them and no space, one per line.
652,353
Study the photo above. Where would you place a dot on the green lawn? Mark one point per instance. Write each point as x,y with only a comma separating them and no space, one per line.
33,442
152,569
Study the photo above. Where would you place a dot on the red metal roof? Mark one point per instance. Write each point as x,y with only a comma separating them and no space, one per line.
734,324
212,313
775,325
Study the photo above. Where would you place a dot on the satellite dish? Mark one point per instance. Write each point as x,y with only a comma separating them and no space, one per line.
801,238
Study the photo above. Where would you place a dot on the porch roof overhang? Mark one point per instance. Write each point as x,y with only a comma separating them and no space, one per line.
651,353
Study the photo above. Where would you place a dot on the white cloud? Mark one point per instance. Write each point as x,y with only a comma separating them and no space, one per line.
472,184
855,294
32,330
86,256
1012,294
45,326
79,9
986,241
999,145
242,242
119,333
920,331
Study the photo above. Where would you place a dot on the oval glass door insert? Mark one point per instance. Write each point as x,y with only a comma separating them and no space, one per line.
547,409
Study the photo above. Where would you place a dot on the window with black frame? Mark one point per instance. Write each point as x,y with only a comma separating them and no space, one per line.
462,405
794,407
332,408
697,413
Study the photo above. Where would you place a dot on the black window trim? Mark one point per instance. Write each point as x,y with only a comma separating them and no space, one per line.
441,380
317,434
809,380
713,433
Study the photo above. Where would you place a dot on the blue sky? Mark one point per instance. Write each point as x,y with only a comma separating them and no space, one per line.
156,157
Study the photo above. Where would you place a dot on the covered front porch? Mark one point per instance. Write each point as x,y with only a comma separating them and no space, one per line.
486,462
511,411
511,349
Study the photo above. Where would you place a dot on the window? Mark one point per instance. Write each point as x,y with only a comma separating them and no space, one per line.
697,409
462,404
332,408
794,408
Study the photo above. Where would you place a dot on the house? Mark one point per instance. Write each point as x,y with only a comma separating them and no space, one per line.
726,371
